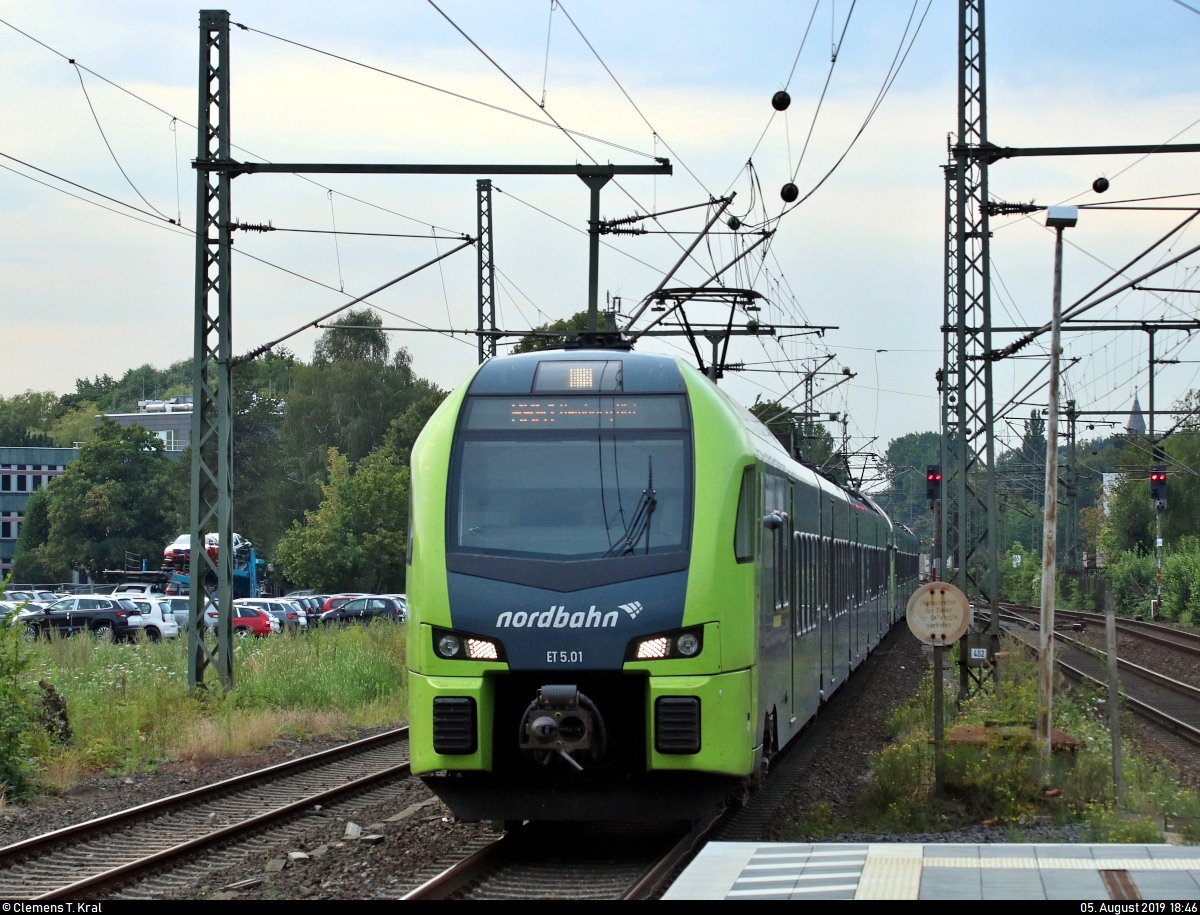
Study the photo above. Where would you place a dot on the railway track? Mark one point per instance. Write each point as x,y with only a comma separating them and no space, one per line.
1154,633
568,861
107,853
1167,702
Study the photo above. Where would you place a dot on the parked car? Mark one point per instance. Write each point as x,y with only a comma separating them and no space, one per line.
158,619
312,605
179,609
34,598
130,588
287,612
333,601
247,621
363,610
178,552
306,593
103,615
401,599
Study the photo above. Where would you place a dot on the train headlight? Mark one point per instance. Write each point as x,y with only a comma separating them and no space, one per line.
682,643
653,648
464,646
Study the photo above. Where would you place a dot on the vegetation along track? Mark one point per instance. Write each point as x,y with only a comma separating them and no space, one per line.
1163,700
104,854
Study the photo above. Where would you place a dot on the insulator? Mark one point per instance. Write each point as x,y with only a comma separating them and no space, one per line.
789,192
1100,185
780,100
734,223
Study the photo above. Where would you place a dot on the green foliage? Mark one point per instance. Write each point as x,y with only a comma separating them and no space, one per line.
26,419
904,500
1021,584
1002,781
110,501
36,560
142,383
361,342
129,704
815,442
358,535
577,321
16,711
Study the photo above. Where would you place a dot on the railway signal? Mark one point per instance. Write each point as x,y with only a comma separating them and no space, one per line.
1158,487
933,482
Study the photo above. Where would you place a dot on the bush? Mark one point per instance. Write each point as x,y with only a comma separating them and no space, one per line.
17,712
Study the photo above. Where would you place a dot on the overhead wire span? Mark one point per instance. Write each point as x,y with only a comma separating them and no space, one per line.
570,135
628,98
108,146
167,225
259,350
457,95
243,149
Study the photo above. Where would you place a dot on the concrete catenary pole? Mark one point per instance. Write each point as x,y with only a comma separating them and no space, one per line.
1058,218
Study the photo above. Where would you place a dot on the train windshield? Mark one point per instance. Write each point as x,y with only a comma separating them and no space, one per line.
572,478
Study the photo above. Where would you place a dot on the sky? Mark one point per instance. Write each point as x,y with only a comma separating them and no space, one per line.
87,291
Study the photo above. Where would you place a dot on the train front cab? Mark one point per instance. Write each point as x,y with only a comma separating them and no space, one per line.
505,648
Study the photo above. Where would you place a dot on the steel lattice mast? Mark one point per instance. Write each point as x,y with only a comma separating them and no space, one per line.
212,392
968,449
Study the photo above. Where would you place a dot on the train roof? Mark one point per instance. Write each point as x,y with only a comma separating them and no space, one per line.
651,373
642,373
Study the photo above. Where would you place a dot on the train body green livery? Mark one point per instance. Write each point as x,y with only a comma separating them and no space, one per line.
624,594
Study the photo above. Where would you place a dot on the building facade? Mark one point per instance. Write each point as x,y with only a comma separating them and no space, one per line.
170,420
23,471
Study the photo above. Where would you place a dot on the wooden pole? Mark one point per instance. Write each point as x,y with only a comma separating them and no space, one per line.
938,719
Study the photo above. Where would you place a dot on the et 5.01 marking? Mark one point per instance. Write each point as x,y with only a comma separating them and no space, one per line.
564,657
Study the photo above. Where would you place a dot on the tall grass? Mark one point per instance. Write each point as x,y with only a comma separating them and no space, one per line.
129,706
1005,781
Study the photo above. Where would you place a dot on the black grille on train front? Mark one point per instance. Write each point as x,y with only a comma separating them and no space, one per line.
454,725
677,724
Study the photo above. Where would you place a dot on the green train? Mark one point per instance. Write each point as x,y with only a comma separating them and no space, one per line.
624,593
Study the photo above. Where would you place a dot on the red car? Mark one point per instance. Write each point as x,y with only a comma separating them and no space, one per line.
247,621
337,600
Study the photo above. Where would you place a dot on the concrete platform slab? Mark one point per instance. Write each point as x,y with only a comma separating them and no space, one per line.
749,870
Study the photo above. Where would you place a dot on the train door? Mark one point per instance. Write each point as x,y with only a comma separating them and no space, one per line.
775,643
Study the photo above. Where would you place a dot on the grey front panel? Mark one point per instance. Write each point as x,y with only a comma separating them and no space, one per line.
587,629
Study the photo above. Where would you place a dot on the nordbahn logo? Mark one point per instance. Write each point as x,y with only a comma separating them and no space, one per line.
559,618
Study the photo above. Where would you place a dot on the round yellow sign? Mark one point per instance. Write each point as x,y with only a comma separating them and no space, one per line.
938,613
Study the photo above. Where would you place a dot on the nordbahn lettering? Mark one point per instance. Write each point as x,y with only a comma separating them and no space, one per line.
558,618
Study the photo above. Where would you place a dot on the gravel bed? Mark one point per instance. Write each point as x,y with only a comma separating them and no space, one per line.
407,832
840,770
1178,664
99,795
975,835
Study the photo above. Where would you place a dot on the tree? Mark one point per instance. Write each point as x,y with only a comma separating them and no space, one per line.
115,499
35,561
813,440
905,499
357,537
402,433
578,321
25,419
360,343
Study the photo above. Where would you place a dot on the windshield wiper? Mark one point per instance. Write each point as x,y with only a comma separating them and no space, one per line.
639,524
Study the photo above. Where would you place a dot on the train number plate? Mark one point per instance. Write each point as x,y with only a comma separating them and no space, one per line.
564,657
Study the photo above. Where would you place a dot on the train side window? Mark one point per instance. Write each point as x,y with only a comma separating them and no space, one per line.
747,513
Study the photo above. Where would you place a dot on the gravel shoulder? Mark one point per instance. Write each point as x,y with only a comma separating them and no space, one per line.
103,794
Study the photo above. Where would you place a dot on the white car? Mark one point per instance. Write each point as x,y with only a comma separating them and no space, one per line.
130,588
157,618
